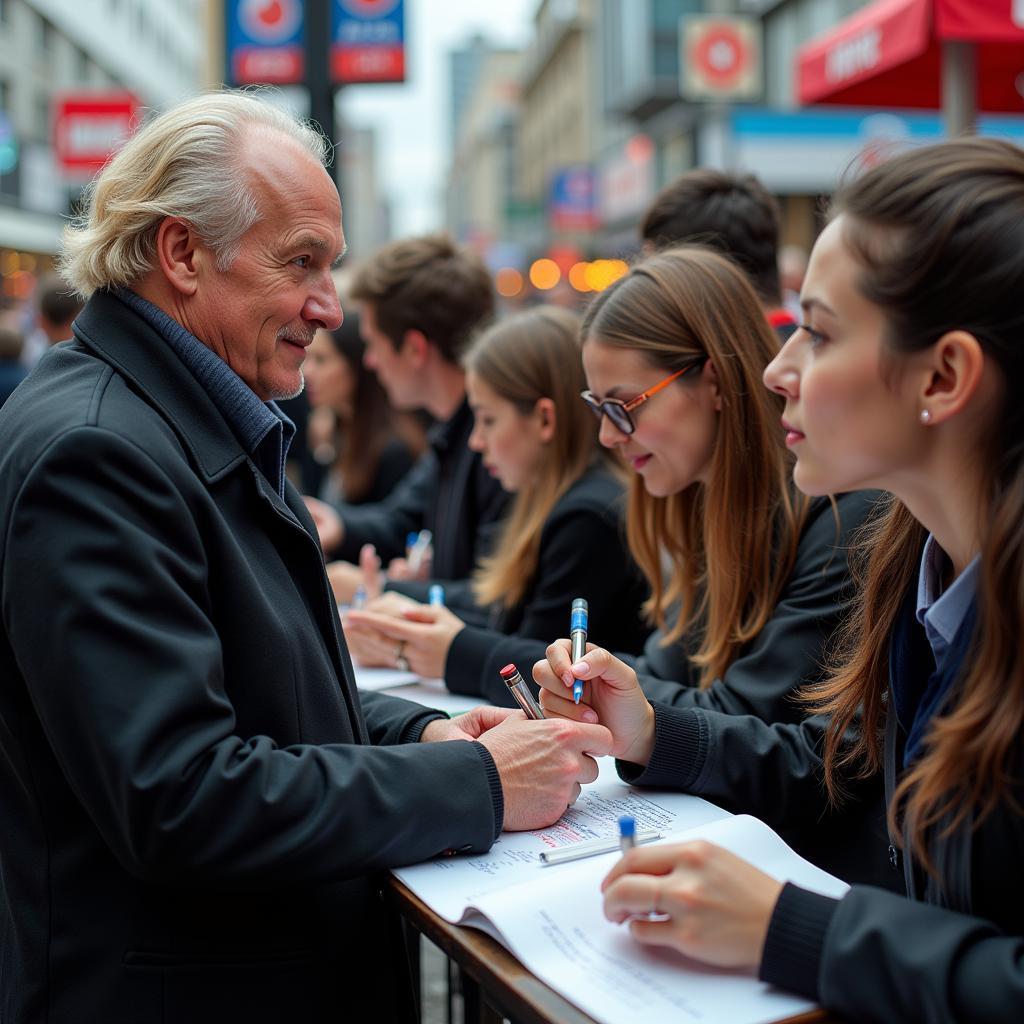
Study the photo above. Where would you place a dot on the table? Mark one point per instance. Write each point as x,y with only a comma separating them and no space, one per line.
505,987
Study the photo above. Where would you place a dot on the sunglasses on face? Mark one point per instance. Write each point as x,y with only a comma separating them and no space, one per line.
619,412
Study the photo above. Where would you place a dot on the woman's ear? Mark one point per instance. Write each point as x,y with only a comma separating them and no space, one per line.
547,418
709,374
953,375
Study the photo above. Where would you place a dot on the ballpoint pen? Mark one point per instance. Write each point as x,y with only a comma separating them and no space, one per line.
435,595
520,691
578,638
593,847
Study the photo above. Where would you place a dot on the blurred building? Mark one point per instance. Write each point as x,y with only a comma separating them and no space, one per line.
366,213
481,198
52,54
559,125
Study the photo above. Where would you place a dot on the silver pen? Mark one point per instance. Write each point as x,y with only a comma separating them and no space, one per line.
520,691
579,614
592,847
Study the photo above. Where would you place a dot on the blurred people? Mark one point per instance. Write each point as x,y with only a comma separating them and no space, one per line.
57,305
734,214
365,447
421,300
792,268
563,537
905,376
12,370
757,576
197,802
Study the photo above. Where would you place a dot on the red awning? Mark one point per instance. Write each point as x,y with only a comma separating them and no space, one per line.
889,54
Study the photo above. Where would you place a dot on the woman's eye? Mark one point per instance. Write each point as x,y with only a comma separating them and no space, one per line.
816,336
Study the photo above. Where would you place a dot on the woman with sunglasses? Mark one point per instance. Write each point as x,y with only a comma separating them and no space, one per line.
905,376
560,540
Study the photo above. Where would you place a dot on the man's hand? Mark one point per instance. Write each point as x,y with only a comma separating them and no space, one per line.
329,525
542,766
470,726
611,696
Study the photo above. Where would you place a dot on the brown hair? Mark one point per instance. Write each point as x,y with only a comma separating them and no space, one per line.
360,440
938,233
427,284
526,357
732,542
733,214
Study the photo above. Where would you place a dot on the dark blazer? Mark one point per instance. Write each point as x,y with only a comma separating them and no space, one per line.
448,491
952,952
193,801
789,650
582,554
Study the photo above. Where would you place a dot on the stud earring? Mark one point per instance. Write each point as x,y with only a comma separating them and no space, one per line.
926,416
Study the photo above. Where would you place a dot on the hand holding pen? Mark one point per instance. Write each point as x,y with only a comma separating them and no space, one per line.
615,698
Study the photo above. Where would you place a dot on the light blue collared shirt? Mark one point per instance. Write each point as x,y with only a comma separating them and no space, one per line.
943,612
261,428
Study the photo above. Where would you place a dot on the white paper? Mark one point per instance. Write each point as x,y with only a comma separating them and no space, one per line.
552,921
449,884
382,678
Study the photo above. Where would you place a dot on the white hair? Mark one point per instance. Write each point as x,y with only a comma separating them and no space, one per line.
184,163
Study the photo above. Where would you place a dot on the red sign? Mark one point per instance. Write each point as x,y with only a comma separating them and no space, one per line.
88,128
889,54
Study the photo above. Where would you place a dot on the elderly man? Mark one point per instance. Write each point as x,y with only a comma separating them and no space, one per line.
195,799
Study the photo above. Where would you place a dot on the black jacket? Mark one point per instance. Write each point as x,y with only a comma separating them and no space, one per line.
582,554
951,953
448,491
193,801
789,650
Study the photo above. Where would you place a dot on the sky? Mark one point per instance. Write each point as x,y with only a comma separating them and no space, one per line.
412,119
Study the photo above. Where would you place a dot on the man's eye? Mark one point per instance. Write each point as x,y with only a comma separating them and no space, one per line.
301,261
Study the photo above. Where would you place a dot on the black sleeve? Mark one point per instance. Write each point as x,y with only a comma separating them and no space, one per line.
789,651
739,762
134,701
874,955
387,524
581,555
394,463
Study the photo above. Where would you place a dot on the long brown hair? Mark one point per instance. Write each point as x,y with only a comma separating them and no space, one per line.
938,234
526,357
732,542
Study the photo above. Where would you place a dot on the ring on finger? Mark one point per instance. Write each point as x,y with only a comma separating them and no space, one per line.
401,661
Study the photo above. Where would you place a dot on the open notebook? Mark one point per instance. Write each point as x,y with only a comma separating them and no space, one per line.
550,918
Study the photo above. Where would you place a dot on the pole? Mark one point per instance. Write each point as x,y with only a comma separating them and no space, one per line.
959,87
318,79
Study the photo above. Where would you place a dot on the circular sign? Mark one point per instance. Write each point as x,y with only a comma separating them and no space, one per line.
721,54
369,8
270,21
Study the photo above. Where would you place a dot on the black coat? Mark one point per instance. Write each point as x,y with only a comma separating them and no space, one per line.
193,802
582,554
790,649
951,953
448,491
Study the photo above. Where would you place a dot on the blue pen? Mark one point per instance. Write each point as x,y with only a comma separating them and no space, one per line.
627,832
359,598
435,595
578,638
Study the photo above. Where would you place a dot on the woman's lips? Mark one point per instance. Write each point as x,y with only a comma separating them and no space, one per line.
639,461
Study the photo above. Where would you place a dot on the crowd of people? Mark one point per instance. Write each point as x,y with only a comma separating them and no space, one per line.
800,538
